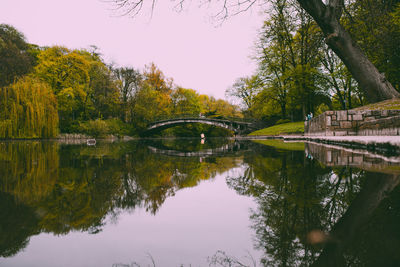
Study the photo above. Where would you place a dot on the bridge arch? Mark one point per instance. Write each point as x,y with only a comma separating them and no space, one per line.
238,127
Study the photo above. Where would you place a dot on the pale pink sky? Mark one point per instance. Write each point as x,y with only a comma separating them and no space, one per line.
186,46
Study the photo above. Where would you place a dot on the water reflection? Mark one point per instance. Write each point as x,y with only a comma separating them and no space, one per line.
214,147
316,205
339,209
62,188
336,156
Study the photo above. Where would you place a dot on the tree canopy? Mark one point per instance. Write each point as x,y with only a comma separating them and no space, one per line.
17,56
47,90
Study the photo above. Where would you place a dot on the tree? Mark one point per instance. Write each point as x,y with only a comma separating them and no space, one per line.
103,92
84,86
129,82
226,109
156,80
206,104
186,101
245,89
149,105
16,56
28,110
371,81
288,64
67,72
373,24
344,89
327,15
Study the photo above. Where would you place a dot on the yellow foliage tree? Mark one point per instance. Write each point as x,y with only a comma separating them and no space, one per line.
30,110
67,72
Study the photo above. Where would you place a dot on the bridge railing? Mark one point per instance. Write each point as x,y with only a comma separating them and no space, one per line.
191,116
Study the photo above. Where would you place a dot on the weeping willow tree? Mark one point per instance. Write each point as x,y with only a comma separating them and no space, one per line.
29,110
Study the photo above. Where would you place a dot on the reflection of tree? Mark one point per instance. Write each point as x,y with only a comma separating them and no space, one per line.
151,178
344,232
47,187
288,190
28,170
17,223
377,243
80,200
297,195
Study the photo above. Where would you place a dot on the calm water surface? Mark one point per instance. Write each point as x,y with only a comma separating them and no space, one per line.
183,203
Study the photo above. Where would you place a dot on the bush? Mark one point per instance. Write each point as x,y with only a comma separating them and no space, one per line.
102,128
96,128
321,109
117,127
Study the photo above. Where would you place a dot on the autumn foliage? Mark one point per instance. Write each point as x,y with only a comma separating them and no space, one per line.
29,110
75,91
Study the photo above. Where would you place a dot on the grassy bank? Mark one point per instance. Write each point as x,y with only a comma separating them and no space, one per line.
383,105
281,129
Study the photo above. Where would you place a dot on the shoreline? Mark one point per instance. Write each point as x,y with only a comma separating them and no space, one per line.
387,145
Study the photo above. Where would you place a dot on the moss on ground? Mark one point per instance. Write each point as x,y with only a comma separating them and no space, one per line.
281,129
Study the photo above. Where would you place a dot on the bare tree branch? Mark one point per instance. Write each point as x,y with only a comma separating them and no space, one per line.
225,9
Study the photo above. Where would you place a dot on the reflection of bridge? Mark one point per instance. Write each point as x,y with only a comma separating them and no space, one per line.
227,149
237,125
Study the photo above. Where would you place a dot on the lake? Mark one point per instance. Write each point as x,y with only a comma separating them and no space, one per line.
181,202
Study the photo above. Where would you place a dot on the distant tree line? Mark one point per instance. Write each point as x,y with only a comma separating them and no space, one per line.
47,90
298,73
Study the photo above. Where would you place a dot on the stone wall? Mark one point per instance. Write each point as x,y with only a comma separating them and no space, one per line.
354,122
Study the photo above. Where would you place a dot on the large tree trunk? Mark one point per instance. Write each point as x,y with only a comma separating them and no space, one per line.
371,81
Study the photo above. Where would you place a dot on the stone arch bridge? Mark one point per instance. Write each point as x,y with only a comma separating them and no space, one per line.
237,125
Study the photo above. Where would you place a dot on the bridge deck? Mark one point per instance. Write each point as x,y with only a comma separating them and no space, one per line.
238,126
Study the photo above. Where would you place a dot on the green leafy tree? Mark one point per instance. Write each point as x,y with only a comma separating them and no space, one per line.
185,101
103,92
84,86
150,105
288,67
245,89
226,109
67,72
129,83
16,55
373,25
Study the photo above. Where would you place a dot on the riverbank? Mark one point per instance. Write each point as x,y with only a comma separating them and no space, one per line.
387,145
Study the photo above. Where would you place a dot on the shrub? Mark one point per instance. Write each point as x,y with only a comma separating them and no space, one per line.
117,127
321,109
102,128
96,128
